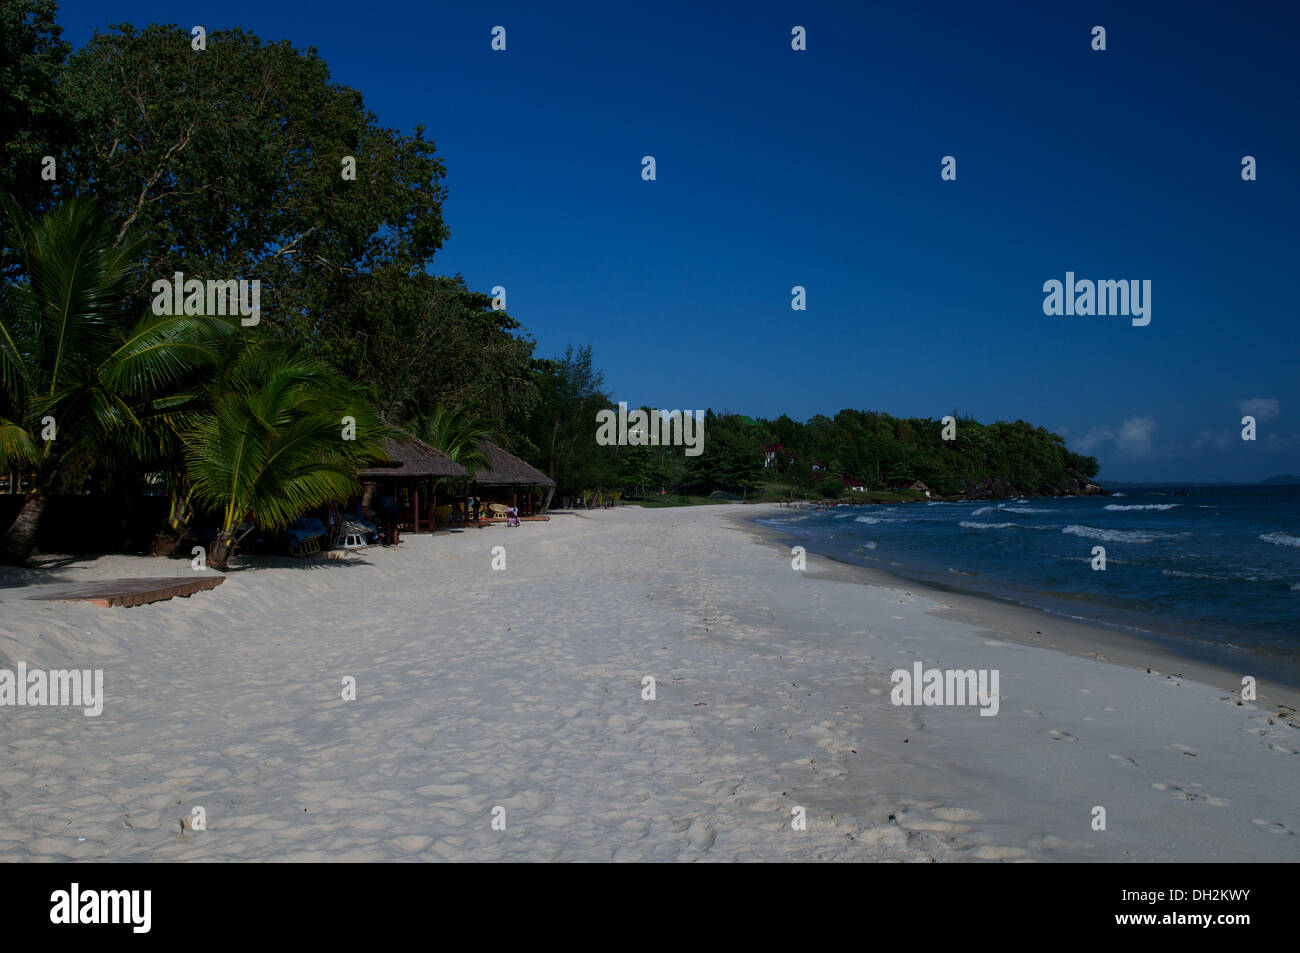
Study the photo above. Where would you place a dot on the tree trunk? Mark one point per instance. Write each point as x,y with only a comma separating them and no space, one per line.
170,536
223,548
20,539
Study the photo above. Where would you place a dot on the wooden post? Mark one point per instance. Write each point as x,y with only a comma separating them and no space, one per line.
415,508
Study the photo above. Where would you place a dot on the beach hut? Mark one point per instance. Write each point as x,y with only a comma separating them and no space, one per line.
508,473
408,477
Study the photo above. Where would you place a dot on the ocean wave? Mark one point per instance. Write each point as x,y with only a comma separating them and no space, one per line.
1119,494
870,520
866,545
1281,539
1180,574
969,525
1003,508
1141,506
1110,535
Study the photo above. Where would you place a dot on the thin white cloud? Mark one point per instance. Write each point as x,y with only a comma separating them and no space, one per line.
1093,440
1134,438
1261,408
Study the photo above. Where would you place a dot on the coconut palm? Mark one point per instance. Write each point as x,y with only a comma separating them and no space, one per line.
75,368
458,433
283,435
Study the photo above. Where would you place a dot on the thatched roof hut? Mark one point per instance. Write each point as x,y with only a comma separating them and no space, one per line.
412,467
505,469
411,457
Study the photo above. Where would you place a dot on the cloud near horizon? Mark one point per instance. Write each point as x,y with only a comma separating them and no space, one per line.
1133,440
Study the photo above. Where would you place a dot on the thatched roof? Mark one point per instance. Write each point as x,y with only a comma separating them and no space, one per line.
505,469
411,457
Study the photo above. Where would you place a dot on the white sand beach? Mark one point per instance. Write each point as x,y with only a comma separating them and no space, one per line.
522,689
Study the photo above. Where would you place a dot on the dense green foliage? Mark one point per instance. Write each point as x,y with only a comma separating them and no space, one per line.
77,370
228,164
891,452
34,120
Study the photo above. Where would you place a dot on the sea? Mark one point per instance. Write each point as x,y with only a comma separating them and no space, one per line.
1210,573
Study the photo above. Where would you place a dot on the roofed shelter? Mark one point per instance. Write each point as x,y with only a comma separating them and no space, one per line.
412,466
508,471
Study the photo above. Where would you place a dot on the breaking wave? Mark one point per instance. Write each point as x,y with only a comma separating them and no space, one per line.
1141,506
1109,535
1280,539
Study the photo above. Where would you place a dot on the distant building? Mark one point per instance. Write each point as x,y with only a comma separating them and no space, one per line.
771,452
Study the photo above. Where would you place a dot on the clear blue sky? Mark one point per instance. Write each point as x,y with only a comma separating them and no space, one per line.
821,168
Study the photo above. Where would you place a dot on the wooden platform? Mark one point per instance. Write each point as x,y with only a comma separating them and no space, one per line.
129,592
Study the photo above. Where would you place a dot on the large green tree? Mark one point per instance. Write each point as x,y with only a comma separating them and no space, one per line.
563,427
424,342
76,370
229,161
33,119
283,435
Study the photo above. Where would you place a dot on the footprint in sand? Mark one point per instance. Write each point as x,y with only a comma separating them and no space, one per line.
1058,735
1124,759
1031,713
1275,827
1192,796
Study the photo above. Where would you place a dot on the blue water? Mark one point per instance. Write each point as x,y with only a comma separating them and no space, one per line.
1217,568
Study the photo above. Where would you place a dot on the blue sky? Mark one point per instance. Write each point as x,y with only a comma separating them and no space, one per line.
821,168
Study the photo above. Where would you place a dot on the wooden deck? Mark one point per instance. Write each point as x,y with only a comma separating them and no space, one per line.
129,592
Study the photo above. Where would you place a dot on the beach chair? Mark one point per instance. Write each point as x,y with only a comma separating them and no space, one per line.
352,535
304,536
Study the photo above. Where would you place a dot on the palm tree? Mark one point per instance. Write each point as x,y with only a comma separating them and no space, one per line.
276,442
458,433
75,369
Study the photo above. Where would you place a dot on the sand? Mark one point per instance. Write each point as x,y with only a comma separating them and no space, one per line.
522,690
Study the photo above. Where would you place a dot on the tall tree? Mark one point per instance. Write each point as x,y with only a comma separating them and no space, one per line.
74,369
422,342
33,121
286,435
563,428
232,160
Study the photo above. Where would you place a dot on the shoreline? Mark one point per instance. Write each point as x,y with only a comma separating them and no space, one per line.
1083,638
